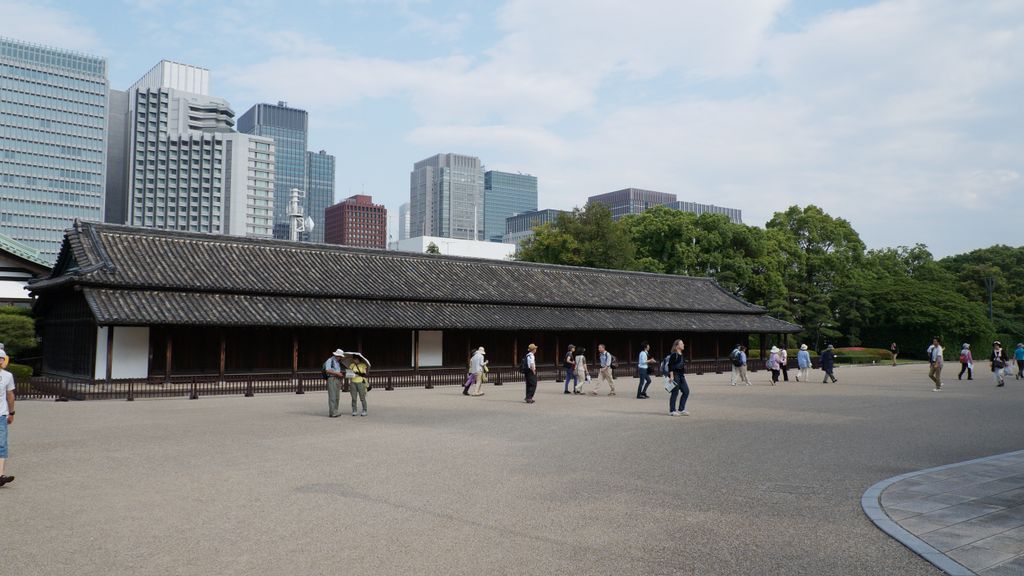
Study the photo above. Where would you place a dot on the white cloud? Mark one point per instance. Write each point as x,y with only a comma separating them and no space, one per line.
42,23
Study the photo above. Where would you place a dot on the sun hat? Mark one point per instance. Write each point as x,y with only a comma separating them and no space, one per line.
997,343
803,346
339,352
532,347
2,353
831,347
966,345
481,350
774,349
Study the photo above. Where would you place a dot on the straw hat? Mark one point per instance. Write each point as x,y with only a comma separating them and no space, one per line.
803,346
339,352
532,347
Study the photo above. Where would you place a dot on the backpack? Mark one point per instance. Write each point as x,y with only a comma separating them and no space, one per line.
524,365
735,357
614,361
664,364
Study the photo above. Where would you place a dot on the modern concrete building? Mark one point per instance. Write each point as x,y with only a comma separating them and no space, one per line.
735,214
506,194
185,166
446,197
403,221
520,227
357,221
319,192
53,119
289,128
632,200
458,247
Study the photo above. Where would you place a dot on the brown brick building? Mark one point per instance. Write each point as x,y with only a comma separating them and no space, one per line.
357,221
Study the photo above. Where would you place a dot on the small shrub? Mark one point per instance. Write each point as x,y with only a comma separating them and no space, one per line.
20,371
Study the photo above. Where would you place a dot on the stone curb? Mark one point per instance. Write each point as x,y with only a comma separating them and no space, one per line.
871,503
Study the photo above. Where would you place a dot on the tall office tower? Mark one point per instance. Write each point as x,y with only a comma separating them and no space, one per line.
53,119
506,194
403,221
357,221
319,191
632,201
735,214
289,128
446,197
187,169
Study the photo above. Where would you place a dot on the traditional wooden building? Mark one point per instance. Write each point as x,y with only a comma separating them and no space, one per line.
125,302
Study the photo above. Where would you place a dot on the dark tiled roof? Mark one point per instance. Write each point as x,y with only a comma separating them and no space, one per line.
191,308
138,275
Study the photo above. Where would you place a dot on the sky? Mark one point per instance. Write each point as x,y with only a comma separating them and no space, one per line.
904,117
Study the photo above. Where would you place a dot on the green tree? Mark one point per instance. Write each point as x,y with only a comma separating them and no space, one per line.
584,237
17,331
432,249
1005,266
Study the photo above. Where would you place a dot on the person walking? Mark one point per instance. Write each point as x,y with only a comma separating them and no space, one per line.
604,373
828,363
335,379
6,412
773,364
894,350
743,366
935,363
470,376
966,362
531,372
803,362
784,363
1018,355
359,366
478,366
569,364
734,359
582,374
1000,361
643,368
677,374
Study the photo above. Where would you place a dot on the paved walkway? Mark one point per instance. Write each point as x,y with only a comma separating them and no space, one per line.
965,518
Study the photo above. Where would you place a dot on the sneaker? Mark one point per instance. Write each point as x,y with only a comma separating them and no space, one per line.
6,480
684,413
566,392
673,413
363,413
529,400
354,413
732,384
936,389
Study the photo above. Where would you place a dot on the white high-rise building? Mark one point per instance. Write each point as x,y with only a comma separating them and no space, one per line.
446,197
186,168
403,221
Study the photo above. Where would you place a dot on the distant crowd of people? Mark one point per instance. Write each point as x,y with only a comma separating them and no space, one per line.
1000,362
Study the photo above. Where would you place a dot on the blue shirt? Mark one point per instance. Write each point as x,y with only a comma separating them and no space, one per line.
606,359
1019,354
803,359
642,362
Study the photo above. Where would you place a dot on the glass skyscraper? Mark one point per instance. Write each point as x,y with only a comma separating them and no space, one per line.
506,194
289,127
446,197
319,191
53,118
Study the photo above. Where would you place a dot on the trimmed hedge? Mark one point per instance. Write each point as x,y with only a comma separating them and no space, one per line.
20,371
858,355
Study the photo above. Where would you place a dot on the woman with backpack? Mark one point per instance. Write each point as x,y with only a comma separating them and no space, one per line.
773,364
966,362
677,374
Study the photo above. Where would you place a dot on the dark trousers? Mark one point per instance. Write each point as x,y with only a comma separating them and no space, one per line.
1020,368
682,390
965,367
570,374
775,375
531,384
785,372
645,381
828,374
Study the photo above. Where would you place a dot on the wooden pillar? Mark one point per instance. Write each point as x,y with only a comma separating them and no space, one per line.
223,353
295,354
629,351
170,349
110,352
515,349
718,353
555,360
416,349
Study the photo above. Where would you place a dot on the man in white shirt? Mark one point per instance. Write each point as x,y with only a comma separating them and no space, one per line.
935,361
604,374
6,412
531,373
476,368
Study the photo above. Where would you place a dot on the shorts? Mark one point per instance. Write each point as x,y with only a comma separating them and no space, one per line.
3,436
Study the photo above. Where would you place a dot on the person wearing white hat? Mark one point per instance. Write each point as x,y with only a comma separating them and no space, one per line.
773,364
6,412
803,362
476,368
334,371
1000,363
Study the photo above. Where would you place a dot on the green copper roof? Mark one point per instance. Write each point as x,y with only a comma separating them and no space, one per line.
8,244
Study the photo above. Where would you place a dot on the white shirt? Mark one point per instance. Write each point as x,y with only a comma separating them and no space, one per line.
642,361
530,361
6,385
476,363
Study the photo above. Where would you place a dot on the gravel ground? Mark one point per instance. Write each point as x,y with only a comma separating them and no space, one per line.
758,480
